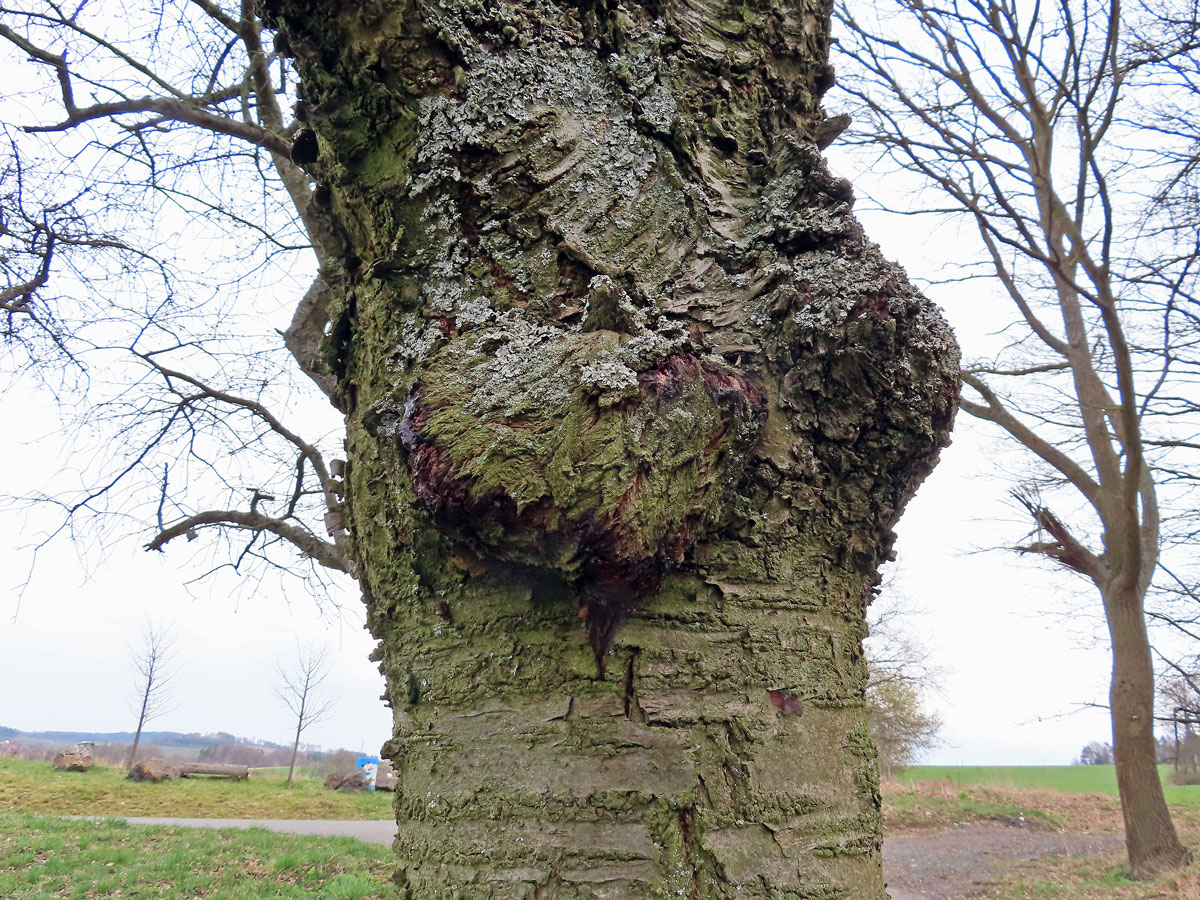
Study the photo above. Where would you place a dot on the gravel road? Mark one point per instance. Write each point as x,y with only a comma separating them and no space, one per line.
945,865
954,864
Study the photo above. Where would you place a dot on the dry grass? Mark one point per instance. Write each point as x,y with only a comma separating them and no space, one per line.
932,806
1091,878
38,788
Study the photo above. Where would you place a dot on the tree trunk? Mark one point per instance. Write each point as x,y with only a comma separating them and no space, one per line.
632,406
296,745
133,750
1150,836
137,735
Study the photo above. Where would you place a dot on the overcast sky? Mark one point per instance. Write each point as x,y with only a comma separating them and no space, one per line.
1015,659
65,659
1018,658
1021,647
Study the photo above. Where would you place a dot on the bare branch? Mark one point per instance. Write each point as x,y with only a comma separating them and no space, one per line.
993,410
305,541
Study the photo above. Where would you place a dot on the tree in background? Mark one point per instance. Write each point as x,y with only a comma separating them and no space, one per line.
170,146
300,692
151,662
1097,753
1027,121
1179,714
899,679
900,725
631,404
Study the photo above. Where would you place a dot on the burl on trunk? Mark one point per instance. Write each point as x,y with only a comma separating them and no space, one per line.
632,408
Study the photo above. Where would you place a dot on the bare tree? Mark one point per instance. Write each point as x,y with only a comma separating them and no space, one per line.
1096,753
300,692
900,676
151,662
1026,121
1179,713
185,120
40,231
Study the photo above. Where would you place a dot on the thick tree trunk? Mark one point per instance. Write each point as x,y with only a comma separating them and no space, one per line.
632,406
1150,836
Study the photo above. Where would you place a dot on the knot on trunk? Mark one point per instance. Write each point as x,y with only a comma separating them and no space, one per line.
597,454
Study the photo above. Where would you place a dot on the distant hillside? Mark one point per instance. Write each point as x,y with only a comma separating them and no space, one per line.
160,738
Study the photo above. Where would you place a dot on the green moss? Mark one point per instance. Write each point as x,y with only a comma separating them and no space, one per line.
685,868
566,426
543,205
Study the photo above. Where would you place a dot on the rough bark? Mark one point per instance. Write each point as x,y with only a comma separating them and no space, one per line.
1150,837
632,406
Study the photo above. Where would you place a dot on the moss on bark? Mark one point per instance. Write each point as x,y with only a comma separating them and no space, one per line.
609,340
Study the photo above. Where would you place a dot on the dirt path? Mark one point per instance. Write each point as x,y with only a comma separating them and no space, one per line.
954,864
946,865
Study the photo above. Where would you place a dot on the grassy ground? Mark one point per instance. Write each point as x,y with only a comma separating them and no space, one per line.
36,787
1089,878
43,858
1069,779
934,805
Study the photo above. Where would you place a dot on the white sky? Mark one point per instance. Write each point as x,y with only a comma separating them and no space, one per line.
1014,657
65,662
1019,657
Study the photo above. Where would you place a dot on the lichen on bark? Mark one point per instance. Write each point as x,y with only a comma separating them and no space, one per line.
613,348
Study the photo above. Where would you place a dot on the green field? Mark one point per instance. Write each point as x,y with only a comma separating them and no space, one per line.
43,857
38,788
1069,779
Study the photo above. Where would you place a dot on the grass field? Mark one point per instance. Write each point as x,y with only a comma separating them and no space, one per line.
947,797
1069,779
36,787
43,857
1089,878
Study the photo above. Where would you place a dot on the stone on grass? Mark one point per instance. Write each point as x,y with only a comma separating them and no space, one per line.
355,781
153,770
385,779
76,757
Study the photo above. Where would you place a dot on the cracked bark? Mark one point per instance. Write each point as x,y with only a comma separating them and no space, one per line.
616,361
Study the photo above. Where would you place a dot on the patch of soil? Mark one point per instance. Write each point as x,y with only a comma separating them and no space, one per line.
956,863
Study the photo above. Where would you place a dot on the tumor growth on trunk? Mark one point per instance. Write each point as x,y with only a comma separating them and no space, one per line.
612,348
598,455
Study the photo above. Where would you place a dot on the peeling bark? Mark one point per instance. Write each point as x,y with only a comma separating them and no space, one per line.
625,384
